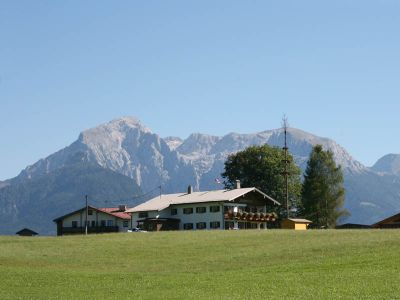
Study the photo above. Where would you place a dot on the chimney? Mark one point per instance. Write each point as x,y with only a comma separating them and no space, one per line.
122,207
190,189
237,184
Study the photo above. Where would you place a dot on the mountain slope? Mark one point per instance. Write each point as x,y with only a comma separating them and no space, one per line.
35,202
371,197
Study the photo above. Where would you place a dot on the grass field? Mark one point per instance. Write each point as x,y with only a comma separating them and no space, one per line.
278,264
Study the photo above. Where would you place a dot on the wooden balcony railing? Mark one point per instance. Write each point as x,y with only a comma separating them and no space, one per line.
246,216
96,229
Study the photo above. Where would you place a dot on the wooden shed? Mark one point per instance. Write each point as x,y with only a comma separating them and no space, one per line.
26,232
296,224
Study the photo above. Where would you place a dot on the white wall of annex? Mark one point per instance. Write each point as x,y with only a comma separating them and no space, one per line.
80,218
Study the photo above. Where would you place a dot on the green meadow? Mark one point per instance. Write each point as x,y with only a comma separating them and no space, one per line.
275,264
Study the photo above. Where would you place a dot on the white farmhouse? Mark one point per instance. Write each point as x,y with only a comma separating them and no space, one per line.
240,208
99,220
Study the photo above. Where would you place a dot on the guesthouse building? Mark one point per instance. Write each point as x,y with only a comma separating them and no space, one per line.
240,208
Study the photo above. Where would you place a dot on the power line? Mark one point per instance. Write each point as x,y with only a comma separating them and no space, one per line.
133,198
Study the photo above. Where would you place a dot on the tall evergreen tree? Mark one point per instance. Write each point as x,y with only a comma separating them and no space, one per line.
262,167
323,192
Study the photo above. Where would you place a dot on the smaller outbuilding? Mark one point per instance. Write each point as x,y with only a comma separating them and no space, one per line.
296,224
26,232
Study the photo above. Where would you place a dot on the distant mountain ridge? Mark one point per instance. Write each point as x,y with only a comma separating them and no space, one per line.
207,153
389,164
127,148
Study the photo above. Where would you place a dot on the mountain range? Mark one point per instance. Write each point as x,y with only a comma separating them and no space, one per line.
121,161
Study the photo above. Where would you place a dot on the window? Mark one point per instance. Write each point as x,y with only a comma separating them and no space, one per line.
103,223
74,224
201,210
215,225
125,223
214,208
201,225
90,212
93,223
174,211
188,226
188,211
110,223
143,214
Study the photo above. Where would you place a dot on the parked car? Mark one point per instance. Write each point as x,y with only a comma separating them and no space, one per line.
136,230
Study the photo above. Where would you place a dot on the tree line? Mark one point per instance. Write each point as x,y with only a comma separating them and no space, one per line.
318,195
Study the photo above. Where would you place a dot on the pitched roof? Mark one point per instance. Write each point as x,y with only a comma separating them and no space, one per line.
27,230
161,202
300,220
352,226
390,219
113,211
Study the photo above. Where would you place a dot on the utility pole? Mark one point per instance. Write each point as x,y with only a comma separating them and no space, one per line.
286,173
326,213
86,218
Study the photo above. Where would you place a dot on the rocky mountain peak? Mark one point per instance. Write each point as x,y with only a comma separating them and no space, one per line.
173,142
116,129
122,145
198,143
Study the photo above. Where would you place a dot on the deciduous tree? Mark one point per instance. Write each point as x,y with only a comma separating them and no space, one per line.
262,167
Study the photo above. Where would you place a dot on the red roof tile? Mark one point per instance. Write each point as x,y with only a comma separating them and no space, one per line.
115,212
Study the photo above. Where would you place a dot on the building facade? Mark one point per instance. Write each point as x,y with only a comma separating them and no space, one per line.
241,208
99,220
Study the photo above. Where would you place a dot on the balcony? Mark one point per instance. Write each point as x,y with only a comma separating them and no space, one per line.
250,216
96,229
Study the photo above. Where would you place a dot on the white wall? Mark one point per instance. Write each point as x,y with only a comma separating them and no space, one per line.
194,218
96,216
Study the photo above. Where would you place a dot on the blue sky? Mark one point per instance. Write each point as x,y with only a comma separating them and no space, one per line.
215,67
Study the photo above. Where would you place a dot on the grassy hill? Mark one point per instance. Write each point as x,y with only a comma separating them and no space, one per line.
277,264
